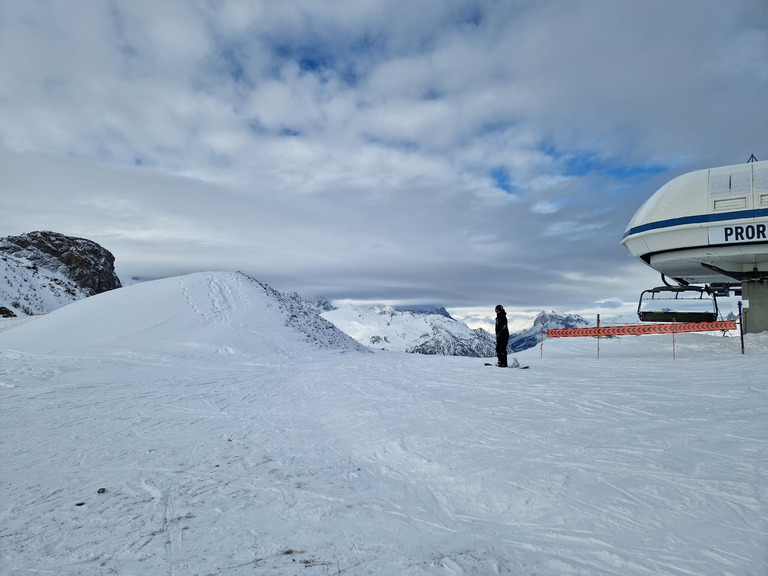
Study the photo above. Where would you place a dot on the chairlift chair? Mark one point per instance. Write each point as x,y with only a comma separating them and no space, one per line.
677,304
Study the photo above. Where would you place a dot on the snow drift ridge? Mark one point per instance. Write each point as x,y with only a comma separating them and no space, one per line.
207,311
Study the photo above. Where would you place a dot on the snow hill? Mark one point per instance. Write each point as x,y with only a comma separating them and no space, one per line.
431,331
191,426
201,313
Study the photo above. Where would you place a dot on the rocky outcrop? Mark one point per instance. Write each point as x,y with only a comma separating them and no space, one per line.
303,317
86,263
5,312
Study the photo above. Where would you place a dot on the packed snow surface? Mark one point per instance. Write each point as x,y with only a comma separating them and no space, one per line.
185,427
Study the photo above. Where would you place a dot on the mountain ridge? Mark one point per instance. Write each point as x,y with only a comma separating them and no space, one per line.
389,328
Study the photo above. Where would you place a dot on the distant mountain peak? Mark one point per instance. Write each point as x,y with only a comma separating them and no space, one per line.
425,309
416,329
532,336
549,319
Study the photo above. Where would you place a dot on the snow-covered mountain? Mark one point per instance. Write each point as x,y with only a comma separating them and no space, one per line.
42,271
524,339
432,331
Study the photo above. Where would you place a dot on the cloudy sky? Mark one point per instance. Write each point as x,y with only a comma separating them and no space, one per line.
453,152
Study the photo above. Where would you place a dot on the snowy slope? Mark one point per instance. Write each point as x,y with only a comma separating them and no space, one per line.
386,328
25,288
220,313
182,427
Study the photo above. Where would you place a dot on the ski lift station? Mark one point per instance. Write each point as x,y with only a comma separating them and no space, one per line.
706,232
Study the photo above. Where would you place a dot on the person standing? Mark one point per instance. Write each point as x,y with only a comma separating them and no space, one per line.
502,336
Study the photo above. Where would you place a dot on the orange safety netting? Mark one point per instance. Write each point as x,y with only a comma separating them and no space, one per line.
636,329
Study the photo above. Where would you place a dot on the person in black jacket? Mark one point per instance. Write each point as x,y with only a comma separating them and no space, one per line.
502,336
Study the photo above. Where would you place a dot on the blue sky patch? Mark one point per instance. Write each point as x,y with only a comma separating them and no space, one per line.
501,179
579,165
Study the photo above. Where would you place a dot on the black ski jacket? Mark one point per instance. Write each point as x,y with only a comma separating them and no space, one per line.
501,325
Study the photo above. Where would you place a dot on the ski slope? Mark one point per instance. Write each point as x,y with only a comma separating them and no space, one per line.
185,427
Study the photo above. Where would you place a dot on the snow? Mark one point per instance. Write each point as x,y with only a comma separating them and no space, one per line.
228,442
27,288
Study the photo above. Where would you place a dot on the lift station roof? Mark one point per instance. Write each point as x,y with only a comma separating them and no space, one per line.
707,226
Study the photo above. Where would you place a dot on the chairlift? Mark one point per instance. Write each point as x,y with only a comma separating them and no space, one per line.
677,304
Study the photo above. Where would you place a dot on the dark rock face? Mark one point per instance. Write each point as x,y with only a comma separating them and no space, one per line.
84,262
6,313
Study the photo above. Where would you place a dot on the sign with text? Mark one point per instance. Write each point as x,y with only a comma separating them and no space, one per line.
738,233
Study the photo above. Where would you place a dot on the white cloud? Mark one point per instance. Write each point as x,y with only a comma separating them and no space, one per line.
459,152
545,207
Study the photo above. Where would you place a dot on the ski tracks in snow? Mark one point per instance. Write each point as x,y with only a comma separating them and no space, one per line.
329,463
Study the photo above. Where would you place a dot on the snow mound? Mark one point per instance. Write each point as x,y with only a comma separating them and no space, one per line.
219,312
